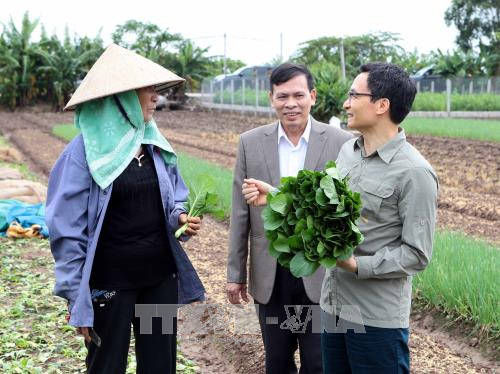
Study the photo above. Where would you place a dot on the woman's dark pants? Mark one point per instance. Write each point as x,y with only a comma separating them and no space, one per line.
155,353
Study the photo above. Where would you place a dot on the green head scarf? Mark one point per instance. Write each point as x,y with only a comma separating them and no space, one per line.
111,140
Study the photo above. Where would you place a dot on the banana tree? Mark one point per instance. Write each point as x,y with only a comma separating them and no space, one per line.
18,63
64,64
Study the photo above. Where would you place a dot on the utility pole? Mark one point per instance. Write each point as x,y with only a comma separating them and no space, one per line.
342,59
224,69
281,47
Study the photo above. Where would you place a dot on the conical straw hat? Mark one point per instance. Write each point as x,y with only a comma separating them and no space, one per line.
119,70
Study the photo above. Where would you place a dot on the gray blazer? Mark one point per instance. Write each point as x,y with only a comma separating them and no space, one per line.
258,158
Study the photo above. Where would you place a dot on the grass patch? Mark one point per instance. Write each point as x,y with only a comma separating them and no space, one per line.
473,129
462,280
429,101
35,337
65,131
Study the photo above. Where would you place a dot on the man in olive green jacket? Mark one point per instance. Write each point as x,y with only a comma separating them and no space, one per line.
366,299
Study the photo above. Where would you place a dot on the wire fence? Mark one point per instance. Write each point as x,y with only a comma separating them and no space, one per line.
238,94
478,85
252,94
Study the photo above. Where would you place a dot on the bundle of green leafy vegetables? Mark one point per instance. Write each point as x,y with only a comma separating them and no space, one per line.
310,220
202,199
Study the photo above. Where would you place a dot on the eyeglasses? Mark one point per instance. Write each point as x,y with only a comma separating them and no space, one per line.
351,94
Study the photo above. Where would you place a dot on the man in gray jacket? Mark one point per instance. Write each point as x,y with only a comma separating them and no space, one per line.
296,141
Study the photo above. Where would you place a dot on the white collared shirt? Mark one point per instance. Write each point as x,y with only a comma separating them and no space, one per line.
292,157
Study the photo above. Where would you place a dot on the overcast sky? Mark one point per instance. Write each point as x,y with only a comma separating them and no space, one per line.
253,27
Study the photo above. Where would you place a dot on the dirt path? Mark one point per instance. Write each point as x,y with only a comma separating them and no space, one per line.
430,352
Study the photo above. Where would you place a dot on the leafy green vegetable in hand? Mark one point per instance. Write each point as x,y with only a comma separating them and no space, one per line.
310,220
202,199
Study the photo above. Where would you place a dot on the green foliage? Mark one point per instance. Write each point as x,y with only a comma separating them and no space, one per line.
63,64
457,64
46,70
462,279
50,69
485,130
203,199
331,90
310,220
17,63
169,50
478,25
148,40
381,46
191,63
216,65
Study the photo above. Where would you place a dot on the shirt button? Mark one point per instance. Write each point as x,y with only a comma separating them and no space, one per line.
422,222
363,162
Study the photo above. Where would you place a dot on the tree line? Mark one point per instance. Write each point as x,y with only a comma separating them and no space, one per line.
48,70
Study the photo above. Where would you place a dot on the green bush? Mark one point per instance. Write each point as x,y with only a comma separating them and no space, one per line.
331,91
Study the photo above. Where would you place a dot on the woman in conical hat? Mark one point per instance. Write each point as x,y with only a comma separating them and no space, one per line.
115,197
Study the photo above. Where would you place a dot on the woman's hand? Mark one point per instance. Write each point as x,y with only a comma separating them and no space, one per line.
194,224
85,332
255,191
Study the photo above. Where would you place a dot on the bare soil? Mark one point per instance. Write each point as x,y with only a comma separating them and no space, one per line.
469,202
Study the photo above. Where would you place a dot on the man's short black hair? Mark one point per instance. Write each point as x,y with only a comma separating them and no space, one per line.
392,82
286,71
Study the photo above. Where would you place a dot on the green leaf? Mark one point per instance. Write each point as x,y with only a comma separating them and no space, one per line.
338,251
300,226
272,251
301,267
296,242
347,254
333,172
321,198
310,222
328,262
307,235
321,249
281,244
328,187
330,164
279,203
272,220
202,199
359,235
284,259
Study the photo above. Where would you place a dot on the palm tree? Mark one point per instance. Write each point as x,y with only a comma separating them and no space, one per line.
191,63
